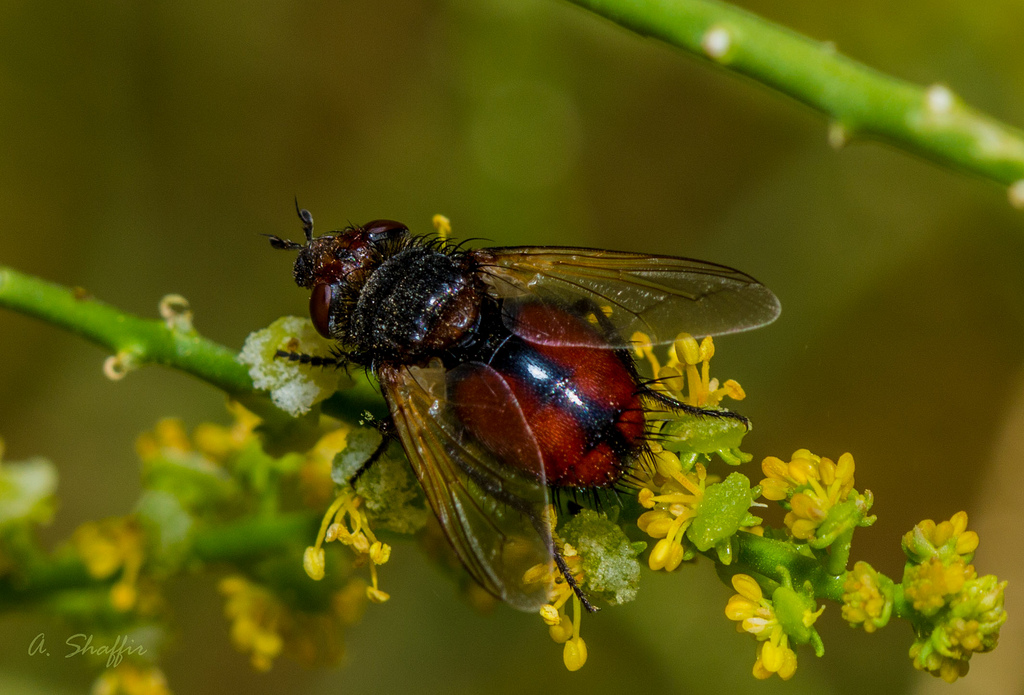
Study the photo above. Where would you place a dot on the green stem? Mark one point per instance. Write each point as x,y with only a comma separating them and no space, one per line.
244,539
765,556
839,553
859,100
137,341
140,341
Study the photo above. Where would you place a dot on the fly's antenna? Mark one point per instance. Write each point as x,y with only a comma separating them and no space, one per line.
307,220
284,244
307,229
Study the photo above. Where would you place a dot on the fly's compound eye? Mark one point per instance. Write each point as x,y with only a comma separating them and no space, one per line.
384,230
320,309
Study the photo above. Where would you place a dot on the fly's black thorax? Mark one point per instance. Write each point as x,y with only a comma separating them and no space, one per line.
419,303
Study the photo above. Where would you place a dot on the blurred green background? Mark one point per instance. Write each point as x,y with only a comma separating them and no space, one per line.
144,146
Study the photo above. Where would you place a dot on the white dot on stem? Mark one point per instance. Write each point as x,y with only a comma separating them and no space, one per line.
939,99
716,42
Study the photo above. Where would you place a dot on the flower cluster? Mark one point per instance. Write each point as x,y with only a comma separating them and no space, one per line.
686,377
788,616
867,597
672,497
131,679
110,546
819,495
960,613
346,523
561,628
264,626
600,559
688,511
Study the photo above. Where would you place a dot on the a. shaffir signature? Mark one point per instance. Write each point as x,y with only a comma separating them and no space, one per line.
81,644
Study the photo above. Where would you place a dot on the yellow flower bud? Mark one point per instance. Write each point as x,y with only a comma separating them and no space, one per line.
733,390
707,348
313,561
808,507
687,349
380,553
967,543
123,596
959,523
561,632
646,498
747,587
659,528
549,614
660,554
376,595
675,557
739,608
360,543
575,654
672,378
774,489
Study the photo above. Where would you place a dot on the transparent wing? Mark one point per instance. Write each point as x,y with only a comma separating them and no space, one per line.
492,513
659,296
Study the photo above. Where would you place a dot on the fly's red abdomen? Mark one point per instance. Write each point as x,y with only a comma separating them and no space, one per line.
578,402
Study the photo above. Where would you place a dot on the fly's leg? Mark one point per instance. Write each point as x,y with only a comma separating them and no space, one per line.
679,406
337,359
571,581
387,430
546,533
311,360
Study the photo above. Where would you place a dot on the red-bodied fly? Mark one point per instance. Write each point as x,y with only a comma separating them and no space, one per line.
507,371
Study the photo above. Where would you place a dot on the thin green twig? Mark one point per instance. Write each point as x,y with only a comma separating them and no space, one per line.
860,101
137,342
244,539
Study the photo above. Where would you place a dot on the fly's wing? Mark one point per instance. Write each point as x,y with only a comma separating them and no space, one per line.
659,296
494,515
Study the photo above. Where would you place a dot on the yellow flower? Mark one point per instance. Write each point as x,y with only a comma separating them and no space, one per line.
945,539
561,628
775,658
111,545
969,625
214,442
264,627
755,614
687,374
131,679
346,522
930,583
813,486
825,479
673,498
867,598
255,614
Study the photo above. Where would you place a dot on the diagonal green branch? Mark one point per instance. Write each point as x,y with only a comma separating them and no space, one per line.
137,341
860,101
